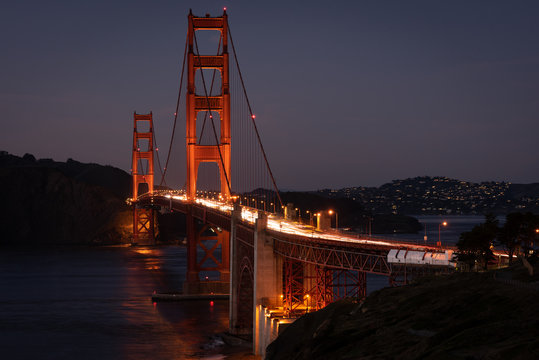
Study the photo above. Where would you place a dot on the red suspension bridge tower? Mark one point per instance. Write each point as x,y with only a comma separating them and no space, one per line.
208,238
143,218
195,103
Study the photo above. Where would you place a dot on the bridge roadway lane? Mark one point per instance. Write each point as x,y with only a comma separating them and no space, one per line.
291,239
218,213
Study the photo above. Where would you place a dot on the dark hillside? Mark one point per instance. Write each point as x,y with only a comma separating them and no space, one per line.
47,202
462,316
351,213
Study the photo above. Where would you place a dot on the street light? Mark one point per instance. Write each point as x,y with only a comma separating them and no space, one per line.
336,218
310,217
439,232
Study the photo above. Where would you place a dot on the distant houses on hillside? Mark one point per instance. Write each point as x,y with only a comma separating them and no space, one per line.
441,195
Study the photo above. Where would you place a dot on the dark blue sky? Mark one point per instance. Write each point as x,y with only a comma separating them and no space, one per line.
346,93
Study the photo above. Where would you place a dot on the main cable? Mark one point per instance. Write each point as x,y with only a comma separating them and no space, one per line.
253,117
175,114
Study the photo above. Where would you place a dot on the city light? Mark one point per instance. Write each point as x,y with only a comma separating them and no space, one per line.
279,224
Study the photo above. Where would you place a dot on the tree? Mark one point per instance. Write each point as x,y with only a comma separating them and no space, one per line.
519,233
475,246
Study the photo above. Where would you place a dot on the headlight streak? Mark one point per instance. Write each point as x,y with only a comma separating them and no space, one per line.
279,224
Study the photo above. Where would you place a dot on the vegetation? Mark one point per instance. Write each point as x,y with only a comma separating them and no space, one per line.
517,235
49,202
475,246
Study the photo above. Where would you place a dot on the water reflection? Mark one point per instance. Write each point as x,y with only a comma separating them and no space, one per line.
180,328
94,303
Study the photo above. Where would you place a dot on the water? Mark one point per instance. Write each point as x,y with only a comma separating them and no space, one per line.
94,303
448,235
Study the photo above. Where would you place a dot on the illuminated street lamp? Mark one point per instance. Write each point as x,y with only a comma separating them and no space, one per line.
439,232
336,218
306,297
299,215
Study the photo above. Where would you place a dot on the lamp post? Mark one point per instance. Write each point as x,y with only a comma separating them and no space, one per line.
336,218
444,223
299,215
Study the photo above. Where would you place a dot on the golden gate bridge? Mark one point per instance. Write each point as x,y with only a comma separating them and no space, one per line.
272,267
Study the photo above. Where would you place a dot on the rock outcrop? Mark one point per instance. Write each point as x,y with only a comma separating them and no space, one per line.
462,316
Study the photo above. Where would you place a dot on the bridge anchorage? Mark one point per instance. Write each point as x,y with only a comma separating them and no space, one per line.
272,268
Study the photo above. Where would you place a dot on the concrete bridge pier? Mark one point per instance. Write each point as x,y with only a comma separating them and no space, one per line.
235,276
268,284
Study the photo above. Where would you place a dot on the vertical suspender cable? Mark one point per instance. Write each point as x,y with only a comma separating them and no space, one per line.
175,115
252,117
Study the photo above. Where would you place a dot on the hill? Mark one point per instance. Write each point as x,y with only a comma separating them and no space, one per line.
49,202
351,214
427,195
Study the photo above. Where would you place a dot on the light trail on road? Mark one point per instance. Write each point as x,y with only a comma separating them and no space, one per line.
279,224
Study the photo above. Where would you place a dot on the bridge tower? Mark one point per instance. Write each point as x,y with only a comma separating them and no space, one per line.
199,100
143,217
195,103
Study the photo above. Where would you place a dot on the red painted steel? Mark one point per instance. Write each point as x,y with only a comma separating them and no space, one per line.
143,217
195,103
336,258
196,153
293,287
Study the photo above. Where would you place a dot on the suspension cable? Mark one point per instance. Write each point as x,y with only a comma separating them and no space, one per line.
175,115
157,155
253,117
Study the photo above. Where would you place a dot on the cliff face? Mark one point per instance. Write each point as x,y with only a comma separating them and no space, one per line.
49,202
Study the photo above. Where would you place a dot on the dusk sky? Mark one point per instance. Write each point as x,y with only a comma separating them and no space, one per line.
346,93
